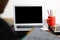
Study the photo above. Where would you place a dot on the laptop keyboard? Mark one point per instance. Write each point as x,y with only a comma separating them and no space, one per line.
30,26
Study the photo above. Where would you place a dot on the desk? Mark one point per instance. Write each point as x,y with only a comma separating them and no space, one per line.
9,20
38,34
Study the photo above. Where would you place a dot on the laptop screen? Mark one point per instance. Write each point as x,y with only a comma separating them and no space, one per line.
28,14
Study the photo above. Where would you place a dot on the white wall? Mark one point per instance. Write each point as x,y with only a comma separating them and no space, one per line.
46,4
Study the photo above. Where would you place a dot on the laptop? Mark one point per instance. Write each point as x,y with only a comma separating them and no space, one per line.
27,17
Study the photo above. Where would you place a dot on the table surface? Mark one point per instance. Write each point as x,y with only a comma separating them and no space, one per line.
38,34
9,20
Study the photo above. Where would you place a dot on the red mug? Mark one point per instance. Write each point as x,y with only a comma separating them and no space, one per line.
51,21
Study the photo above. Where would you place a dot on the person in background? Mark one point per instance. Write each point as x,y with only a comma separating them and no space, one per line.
6,32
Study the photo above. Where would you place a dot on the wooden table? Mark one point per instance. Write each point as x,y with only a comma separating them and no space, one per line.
9,20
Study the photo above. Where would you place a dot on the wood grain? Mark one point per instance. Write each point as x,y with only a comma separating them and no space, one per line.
9,20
